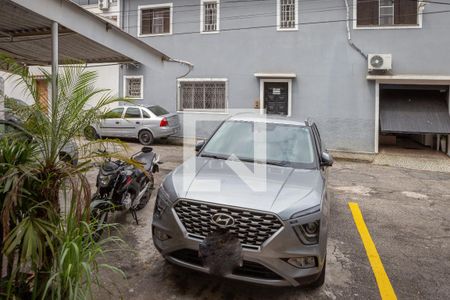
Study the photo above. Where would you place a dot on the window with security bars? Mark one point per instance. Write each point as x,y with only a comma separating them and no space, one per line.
210,16
155,21
133,87
202,95
387,12
288,15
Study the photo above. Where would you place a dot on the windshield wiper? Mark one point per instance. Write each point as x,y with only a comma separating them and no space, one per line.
280,163
267,162
215,156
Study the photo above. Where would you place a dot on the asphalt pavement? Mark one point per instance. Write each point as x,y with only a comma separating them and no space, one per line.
407,213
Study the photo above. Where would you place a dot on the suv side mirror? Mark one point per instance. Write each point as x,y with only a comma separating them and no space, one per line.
199,145
326,160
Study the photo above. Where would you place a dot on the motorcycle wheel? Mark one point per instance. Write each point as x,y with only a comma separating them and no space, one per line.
99,217
146,198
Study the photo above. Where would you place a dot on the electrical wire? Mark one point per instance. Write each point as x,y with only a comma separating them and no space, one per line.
223,6
248,16
265,26
256,27
303,23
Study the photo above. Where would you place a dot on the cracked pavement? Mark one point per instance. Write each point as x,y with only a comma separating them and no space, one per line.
406,211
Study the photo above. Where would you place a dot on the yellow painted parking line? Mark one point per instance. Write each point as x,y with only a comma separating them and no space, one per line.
384,285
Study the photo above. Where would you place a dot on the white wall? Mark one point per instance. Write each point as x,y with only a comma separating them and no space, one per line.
13,91
108,78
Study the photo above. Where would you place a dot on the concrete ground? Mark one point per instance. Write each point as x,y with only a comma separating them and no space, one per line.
406,211
419,159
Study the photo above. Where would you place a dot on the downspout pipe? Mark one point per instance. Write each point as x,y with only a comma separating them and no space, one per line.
183,62
349,33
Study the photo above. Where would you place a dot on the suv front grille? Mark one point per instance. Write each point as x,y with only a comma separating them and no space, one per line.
251,227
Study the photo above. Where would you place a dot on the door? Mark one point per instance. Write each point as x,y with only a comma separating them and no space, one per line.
42,91
110,125
276,98
132,122
150,120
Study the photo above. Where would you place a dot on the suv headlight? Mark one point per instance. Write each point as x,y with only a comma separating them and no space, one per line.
162,202
308,233
104,180
307,230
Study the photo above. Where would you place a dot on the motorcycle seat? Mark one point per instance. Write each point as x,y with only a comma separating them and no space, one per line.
146,159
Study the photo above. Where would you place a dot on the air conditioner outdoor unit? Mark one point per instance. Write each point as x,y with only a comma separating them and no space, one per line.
104,4
380,62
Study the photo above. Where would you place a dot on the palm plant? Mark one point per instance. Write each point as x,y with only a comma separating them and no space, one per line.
52,254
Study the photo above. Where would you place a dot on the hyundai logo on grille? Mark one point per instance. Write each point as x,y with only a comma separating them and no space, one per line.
222,220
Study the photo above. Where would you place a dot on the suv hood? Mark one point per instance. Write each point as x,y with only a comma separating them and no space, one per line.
287,191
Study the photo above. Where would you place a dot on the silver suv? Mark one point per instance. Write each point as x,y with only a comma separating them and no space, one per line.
252,205
142,123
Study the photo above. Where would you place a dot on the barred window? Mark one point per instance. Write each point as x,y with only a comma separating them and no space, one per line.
133,87
387,12
155,20
287,14
210,16
202,95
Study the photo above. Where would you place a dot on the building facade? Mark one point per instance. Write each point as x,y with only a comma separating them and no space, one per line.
106,9
300,58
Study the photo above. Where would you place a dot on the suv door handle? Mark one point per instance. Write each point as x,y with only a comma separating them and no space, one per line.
117,122
138,122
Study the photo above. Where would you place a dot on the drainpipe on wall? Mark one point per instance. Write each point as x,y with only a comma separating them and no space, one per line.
349,33
183,62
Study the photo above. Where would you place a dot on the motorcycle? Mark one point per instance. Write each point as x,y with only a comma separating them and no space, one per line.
123,187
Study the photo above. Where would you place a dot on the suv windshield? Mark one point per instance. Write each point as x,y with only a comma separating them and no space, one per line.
158,110
284,145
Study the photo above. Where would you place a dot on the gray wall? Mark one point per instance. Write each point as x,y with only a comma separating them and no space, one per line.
331,85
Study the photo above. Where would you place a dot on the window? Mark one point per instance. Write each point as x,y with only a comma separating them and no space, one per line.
155,19
287,14
146,115
116,113
209,16
158,110
133,113
387,13
133,87
202,95
289,145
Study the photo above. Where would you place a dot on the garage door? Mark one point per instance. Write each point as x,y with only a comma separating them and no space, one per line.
414,110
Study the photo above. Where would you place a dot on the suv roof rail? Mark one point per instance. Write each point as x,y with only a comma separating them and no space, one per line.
309,122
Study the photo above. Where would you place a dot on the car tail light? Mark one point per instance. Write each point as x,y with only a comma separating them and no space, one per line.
164,122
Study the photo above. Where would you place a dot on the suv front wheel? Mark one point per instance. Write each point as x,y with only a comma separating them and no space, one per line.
321,280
